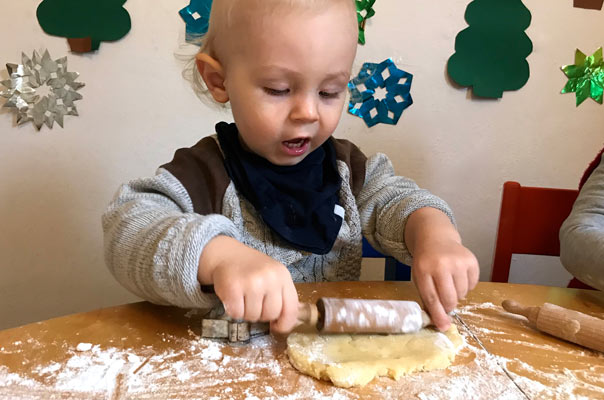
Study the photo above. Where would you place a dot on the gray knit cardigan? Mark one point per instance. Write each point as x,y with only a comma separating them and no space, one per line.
155,229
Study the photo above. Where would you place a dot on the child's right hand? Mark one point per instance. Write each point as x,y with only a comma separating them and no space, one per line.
251,285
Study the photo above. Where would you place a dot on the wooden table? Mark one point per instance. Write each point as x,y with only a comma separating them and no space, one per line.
143,351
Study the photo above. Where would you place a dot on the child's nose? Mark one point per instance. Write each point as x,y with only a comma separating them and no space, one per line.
305,109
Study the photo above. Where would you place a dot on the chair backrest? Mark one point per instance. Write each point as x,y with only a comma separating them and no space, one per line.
529,222
393,270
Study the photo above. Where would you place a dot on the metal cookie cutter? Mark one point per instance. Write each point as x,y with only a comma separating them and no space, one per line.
235,331
217,325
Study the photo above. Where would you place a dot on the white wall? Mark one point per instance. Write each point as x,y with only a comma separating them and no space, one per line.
54,184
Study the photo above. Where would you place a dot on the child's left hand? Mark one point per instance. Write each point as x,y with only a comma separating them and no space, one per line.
443,270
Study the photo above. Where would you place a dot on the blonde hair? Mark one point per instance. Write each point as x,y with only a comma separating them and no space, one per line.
221,19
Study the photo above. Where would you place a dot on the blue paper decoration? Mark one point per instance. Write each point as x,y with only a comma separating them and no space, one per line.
385,75
197,17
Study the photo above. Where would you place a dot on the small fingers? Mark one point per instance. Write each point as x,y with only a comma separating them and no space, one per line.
431,300
234,305
447,292
253,307
461,284
473,275
271,306
289,313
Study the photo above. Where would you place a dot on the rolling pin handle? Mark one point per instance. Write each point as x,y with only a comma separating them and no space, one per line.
531,313
308,314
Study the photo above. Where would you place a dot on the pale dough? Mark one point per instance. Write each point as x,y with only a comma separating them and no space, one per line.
354,360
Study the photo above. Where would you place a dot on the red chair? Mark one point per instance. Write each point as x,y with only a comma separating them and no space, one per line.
529,223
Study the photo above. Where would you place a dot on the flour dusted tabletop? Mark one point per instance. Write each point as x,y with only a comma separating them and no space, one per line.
142,351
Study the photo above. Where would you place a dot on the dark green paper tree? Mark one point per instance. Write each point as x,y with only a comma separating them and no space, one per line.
490,54
85,23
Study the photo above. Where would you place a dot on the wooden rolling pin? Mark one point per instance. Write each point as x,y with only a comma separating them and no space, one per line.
563,323
335,315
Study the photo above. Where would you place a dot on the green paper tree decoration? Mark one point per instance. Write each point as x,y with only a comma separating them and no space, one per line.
589,4
490,54
85,23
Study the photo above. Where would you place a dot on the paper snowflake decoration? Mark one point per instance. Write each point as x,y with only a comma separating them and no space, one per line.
384,77
41,90
585,76
197,18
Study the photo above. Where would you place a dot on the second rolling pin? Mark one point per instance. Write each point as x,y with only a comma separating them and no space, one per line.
563,323
336,315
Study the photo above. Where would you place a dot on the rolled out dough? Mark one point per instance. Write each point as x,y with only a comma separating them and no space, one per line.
354,360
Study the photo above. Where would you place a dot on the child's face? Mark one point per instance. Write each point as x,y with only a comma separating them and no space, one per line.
287,80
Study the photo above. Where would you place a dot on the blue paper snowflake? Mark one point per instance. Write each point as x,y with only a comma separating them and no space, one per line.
385,75
197,17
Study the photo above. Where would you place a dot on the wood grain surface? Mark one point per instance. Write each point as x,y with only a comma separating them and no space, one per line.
144,351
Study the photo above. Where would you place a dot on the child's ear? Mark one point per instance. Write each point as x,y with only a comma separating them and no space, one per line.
213,75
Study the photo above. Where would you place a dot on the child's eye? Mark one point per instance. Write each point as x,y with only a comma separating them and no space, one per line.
276,92
329,95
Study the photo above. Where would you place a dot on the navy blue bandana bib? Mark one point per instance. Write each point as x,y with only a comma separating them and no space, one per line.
297,202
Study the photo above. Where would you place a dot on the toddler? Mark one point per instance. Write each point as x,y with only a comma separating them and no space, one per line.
272,198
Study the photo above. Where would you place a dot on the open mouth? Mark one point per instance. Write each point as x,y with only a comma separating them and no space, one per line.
296,143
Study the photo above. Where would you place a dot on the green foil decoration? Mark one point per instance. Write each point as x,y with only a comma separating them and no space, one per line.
585,76
490,54
364,12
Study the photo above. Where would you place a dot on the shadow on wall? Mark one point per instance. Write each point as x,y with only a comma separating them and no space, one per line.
51,238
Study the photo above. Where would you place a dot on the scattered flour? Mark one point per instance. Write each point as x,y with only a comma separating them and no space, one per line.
208,369
549,381
84,346
195,368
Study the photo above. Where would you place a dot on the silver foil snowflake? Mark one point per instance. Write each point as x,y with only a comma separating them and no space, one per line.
41,90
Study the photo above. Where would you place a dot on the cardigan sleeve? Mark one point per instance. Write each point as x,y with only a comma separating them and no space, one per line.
582,233
153,240
385,203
